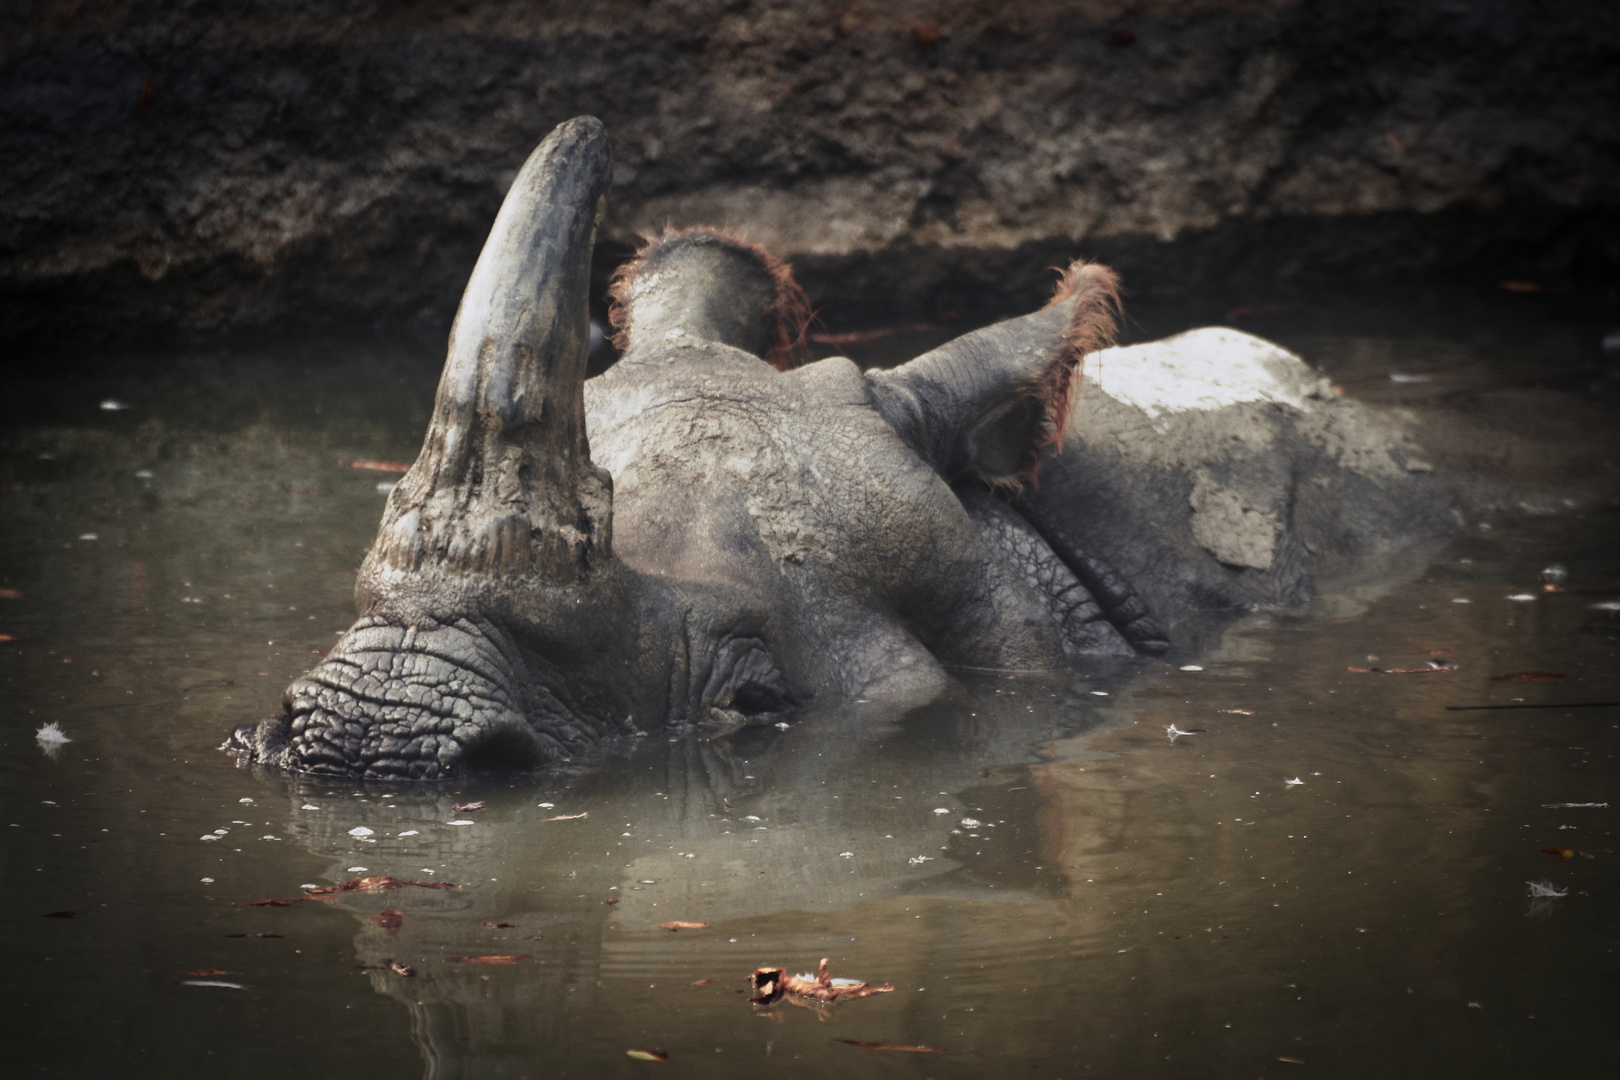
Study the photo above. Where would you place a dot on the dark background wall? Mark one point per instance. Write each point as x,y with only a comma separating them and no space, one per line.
218,166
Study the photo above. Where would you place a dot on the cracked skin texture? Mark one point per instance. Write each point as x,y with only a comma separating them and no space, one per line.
1246,498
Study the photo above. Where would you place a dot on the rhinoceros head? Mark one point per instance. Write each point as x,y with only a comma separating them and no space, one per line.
696,533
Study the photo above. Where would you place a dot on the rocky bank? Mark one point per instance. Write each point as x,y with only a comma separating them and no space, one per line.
217,166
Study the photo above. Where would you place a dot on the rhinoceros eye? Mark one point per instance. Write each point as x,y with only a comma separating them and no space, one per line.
747,679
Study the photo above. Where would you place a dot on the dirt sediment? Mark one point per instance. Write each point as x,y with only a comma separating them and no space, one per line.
213,167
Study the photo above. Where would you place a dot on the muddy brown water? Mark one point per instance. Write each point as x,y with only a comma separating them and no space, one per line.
1329,878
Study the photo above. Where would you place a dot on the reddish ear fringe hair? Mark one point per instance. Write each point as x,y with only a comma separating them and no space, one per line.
1092,325
789,313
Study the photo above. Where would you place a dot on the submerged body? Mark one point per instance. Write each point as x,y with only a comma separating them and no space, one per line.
698,534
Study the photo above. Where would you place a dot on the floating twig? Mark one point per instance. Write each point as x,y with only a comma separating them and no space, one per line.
1550,705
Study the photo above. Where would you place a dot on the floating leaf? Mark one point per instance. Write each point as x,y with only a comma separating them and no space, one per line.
772,983
649,1055
1564,854
463,807
892,1046
500,925
10,594
1529,676
390,919
492,961
677,925
375,883
7,638
611,900
568,817
701,982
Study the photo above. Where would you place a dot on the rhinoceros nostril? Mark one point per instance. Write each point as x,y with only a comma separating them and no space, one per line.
505,749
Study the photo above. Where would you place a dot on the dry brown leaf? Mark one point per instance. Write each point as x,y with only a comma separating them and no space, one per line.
677,925
1432,667
390,919
772,983
492,961
892,1046
10,594
375,883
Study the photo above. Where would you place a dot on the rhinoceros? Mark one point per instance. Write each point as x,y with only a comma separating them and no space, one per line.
707,533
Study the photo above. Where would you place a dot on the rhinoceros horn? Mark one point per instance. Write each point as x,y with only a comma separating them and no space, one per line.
504,487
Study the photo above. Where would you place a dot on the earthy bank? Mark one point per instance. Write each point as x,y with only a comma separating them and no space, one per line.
219,166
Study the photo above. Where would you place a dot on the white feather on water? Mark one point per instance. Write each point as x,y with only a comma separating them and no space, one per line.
51,734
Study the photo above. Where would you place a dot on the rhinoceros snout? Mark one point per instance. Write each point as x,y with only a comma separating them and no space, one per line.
400,703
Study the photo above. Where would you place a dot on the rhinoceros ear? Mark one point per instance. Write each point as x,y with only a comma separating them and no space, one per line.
711,285
989,403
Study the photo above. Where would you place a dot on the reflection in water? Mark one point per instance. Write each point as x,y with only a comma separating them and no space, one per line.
1054,886
830,821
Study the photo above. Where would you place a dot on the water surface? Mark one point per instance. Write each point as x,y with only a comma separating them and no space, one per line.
1328,878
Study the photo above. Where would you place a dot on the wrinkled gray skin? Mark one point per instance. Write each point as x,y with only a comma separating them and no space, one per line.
695,536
